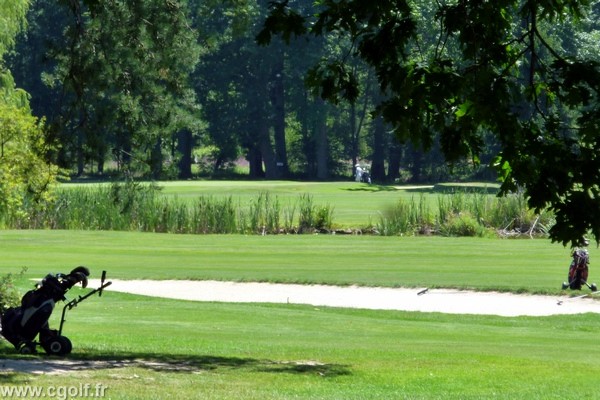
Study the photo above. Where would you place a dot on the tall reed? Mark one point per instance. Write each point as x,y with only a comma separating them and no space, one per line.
141,207
464,214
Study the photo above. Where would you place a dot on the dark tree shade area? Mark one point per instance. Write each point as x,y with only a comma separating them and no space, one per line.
515,70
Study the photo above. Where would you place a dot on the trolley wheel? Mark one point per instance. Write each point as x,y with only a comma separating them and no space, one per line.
565,285
594,287
58,346
27,348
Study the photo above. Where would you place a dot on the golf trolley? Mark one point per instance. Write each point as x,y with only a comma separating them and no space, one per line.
365,177
578,271
21,325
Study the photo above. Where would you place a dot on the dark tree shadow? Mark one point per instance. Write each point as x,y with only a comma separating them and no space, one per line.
446,188
12,367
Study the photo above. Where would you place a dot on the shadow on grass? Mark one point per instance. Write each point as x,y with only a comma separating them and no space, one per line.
13,366
373,188
446,188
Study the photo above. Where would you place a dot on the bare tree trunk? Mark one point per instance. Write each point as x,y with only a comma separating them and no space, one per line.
156,159
254,158
322,147
266,150
278,103
379,144
394,160
185,144
80,154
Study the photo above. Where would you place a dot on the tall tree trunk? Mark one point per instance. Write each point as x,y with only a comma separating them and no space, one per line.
354,135
321,144
307,152
255,163
156,159
277,93
185,144
379,145
80,154
266,149
357,125
417,165
394,157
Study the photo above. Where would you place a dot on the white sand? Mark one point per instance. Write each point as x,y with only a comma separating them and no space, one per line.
434,300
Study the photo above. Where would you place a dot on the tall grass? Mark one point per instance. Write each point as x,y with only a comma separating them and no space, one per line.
465,214
133,206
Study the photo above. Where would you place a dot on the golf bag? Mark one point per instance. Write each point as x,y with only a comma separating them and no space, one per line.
366,177
578,271
21,325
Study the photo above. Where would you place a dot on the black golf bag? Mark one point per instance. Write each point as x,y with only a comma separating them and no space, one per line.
366,177
578,271
21,325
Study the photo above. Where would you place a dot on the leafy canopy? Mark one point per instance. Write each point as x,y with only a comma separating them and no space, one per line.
490,66
25,175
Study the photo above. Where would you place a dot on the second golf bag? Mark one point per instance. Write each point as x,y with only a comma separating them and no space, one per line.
578,271
21,325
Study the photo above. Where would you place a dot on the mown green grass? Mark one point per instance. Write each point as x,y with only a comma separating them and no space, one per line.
536,265
177,349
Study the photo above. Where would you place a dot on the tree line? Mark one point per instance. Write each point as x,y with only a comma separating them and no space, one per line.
155,85
420,89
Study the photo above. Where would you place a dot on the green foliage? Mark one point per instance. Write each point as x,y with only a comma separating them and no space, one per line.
26,176
407,217
13,20
26,179
265,214
463,224
9,294
311,217
123,69
462,213
489,68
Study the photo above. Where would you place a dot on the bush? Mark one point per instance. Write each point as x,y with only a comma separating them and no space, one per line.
9,296
462,224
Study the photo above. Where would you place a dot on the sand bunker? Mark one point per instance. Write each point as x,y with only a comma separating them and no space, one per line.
434,300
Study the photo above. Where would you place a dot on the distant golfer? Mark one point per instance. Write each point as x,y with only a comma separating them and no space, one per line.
359,172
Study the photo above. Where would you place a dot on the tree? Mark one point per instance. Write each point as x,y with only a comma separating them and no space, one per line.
244,90
120,72
541,104
25,174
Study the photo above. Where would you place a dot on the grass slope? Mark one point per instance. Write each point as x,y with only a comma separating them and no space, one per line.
485,264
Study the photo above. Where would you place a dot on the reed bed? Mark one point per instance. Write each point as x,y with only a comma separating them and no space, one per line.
134,206
140,207
463,213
